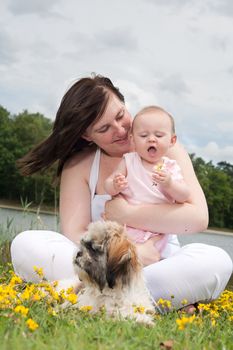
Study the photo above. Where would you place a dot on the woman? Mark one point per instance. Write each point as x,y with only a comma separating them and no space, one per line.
90,135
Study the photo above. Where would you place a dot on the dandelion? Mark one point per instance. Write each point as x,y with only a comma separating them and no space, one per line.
166,304
32,325
72,298
184,321
36,297
21,310
86,308
51,311
39,271
213,322
15,280
70,290
140,309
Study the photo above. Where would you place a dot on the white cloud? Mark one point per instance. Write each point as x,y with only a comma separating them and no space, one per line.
38,7
136,97
212,151
177,54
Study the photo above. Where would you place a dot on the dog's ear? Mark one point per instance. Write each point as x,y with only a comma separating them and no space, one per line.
119,258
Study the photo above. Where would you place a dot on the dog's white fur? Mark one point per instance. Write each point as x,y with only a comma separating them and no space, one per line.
108,266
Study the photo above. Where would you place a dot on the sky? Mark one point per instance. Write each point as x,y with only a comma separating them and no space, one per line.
177,54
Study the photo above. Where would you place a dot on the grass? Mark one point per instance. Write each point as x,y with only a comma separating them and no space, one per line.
54,328
51,327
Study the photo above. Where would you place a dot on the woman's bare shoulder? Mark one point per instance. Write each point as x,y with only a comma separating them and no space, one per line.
177,151
81,159
79,164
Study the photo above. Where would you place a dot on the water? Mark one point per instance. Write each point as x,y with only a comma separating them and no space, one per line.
15,221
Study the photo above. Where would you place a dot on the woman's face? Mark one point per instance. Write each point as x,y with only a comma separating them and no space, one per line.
111,131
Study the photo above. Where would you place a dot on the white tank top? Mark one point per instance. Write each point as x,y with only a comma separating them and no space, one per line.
98,202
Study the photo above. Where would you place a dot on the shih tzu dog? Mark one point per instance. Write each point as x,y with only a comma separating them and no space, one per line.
108,266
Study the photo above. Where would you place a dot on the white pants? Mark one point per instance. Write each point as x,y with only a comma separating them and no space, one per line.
196,272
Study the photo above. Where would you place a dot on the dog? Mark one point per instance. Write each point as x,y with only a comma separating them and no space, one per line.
108,266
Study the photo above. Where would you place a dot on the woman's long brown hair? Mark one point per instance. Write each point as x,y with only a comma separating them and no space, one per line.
82,104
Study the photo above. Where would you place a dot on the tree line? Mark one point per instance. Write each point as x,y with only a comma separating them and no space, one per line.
20,132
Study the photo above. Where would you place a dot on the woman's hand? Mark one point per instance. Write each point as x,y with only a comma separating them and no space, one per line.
116,210
147,252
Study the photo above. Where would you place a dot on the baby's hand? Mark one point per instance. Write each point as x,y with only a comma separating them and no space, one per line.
120,182
161,177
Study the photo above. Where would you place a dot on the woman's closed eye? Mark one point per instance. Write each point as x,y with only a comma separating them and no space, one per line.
103,129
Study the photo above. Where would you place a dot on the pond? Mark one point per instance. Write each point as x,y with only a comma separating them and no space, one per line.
14,221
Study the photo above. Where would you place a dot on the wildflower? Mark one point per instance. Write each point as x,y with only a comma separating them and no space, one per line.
15,280
86,308
182,322
70,290
140,309
184,302
213,322
72,298
21,310
39,271
51,311
32,325
36,297
166,304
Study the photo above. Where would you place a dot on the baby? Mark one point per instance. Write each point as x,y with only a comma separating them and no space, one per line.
147,175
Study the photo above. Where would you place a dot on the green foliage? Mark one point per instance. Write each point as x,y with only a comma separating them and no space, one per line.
18,134
217,184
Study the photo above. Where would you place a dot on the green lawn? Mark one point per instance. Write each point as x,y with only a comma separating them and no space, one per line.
32,319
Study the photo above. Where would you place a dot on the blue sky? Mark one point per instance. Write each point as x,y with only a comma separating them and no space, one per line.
174,53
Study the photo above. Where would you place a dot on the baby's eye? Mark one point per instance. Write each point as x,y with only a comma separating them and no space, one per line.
159,135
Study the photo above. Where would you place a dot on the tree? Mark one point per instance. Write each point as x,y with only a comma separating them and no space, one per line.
216,182
18,134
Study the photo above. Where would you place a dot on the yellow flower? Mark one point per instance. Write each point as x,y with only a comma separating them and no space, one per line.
182,322
36,297
32,325
70,290
51,311
39,271
21,310
140,309
184,302
213,322
72,298
165,303
15,280
86,308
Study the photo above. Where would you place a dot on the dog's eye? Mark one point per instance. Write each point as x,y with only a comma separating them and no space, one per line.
89,245
92,247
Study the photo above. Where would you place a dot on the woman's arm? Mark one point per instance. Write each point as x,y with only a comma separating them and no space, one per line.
75,197
189,217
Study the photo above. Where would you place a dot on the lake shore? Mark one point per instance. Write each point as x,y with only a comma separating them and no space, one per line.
7,204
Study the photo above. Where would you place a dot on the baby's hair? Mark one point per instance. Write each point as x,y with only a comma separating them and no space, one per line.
156,109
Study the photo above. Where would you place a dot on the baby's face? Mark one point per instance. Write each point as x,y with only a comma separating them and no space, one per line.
152,135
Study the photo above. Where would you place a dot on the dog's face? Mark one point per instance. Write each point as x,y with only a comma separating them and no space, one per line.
106,257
